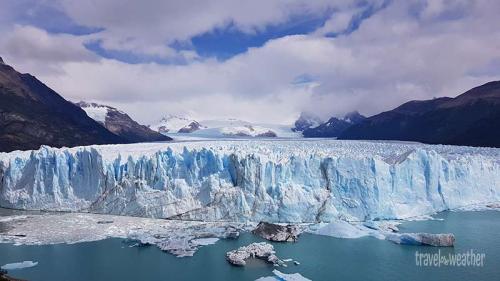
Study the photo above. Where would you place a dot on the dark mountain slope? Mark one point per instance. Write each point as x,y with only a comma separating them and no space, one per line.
32,114
472,118
121,124
334,126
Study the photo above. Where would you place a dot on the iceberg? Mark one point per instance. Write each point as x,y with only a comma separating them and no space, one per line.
280,276
19,265
292,181
262,250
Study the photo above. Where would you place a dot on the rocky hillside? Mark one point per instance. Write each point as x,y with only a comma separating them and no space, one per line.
32,114
472,118
334,127
119,123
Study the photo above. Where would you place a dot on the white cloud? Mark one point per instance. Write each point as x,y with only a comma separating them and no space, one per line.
36,50
408,50
148,26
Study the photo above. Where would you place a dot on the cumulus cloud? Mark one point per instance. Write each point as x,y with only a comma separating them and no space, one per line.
149,26
37,50
407,50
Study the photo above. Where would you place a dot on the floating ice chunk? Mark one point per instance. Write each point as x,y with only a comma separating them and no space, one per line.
180,238
278,233
267,278
429,239
205,241
262,250
280,276
12,218
18,265
342,229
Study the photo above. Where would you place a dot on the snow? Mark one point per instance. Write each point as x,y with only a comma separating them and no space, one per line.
205,241
280,276
172,124
97,112
19,265
253,180
220,128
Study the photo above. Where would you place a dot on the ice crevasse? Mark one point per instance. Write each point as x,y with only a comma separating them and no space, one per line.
252,180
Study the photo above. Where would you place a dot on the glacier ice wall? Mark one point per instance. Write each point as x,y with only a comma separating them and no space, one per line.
277,181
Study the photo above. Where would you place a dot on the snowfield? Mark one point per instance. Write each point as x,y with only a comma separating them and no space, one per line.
253,180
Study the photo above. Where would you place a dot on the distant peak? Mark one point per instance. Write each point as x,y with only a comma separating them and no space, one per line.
1,61
353,117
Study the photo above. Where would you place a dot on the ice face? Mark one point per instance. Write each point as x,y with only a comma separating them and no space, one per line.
256,180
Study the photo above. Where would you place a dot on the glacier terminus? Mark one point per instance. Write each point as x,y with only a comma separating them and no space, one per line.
297,181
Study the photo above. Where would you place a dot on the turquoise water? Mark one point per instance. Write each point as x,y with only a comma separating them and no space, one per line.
321,258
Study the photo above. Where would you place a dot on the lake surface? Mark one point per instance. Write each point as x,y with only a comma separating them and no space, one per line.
320,257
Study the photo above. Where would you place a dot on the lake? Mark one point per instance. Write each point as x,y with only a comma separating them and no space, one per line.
320,257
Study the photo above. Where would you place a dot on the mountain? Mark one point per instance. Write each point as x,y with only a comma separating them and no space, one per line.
119,123
306,121
32,114
232,127
176,124
472,118
183,127
334,127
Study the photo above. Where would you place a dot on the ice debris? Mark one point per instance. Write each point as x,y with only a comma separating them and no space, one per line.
277,233
280,276
19,265
262,250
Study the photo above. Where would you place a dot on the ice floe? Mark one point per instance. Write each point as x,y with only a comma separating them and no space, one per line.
19,265
181,238
280,276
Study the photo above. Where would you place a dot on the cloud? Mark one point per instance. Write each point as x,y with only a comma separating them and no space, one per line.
150,26
407,50
40,51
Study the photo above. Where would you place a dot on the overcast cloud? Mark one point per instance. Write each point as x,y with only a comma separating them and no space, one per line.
367,57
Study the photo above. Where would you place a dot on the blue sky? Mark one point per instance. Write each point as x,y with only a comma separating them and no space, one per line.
256,60
221,42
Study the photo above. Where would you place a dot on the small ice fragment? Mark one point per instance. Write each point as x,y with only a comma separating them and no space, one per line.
342,229
280,276
19,265
204,241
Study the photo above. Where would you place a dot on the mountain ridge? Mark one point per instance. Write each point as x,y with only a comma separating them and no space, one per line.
32,114
120,123
471,118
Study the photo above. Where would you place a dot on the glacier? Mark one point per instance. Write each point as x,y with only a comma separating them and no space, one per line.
300,181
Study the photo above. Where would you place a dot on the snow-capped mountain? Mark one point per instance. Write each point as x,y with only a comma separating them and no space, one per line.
353,117
119,123
235,128
218,128
306,121
334,126
32,114
176,124
471,118
254,180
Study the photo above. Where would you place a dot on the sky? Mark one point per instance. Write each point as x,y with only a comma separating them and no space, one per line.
262,61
